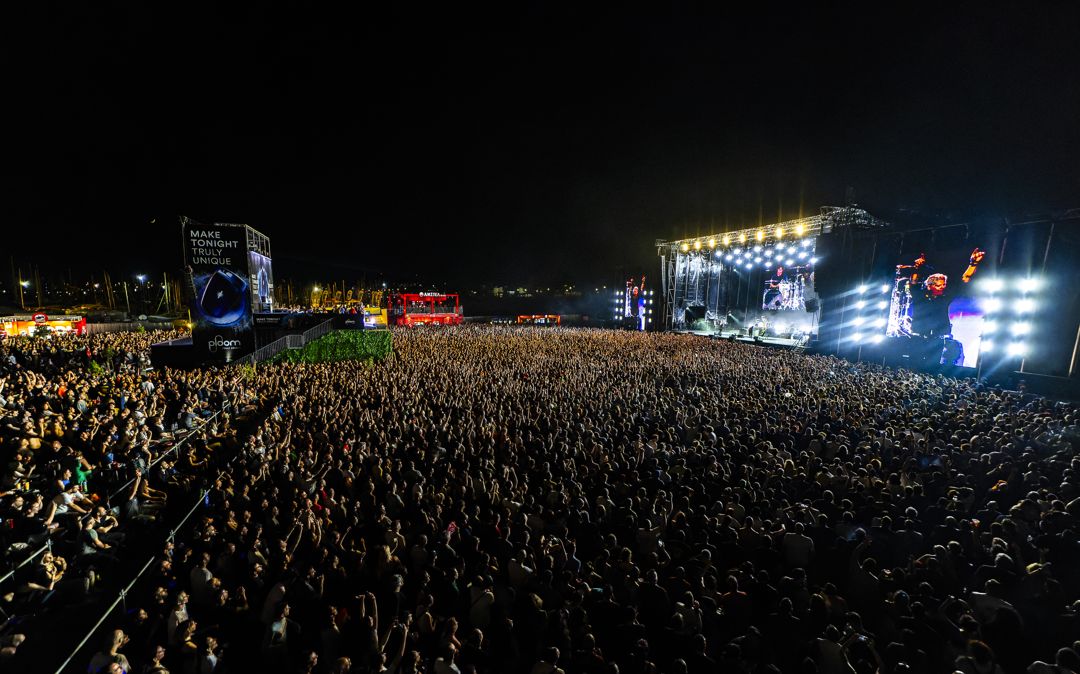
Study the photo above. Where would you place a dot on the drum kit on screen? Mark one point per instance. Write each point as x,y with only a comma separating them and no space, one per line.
786,293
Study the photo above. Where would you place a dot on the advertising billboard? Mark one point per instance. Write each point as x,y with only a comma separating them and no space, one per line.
216,261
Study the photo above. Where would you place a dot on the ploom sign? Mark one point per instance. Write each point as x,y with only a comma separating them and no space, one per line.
218,342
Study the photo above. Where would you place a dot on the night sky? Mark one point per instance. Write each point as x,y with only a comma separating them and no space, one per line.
531,143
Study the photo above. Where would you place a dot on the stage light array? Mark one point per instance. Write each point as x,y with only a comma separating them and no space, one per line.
870,315
1000,298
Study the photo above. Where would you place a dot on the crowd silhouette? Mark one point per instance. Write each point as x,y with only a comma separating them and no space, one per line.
538,500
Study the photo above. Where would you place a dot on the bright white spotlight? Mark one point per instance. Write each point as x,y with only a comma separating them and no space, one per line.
885,287
802,254
729,257
876,339
1030,285
857,337
748,263
989,327
790,262
757,249
991,305
883,305
993,285
862,289
757,259
986,346
813,260
1025,306
1021,329
860,304
881,322
765,265
1017,349
859,320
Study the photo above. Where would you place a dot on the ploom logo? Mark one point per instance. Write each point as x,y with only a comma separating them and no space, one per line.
218,342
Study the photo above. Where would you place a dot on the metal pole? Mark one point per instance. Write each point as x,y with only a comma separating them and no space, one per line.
121,597
1046,252
1076,345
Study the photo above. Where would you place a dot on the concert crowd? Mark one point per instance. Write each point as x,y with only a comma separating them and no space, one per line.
534,500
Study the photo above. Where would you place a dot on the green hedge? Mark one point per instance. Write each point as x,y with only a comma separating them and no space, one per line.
342,345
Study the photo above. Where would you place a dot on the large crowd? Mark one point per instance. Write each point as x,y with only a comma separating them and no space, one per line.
537,500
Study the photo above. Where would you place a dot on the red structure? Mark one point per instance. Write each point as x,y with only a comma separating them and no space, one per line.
424,309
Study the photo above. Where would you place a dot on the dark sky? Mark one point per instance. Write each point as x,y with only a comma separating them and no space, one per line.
532,143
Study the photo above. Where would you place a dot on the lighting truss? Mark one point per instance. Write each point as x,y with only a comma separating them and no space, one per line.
830,217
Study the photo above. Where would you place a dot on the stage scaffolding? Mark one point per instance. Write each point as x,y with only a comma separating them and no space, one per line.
693,276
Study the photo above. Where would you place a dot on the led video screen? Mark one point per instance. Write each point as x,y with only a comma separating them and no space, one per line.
933,298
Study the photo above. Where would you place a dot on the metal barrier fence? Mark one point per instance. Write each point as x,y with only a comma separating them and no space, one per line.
287,342
176,446
48,543
35,555
122,595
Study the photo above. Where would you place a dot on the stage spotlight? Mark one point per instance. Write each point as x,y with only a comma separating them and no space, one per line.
862,289
729,257
748,263
765,265
800,229
742,238
989,327
790,262
781,247
876,339
1020,329
685,247
860,304
859,320
881,323
802,254
986,346
1017,349
991,305
757,259
697,245
992,285
761,235
779,232
757,249
885,287
726,239
719,254
882,305
805,243
712,243
1029,285
1025,306
857,337
813,260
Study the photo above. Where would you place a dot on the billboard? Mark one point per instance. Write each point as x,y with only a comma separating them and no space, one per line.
216,262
